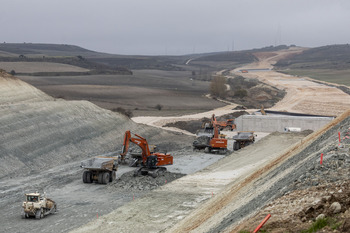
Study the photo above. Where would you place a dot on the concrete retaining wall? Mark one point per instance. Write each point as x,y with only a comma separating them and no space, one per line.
273,123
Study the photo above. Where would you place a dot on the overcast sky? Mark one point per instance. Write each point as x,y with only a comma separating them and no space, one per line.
174,27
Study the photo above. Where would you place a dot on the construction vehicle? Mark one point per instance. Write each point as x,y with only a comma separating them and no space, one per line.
229,124
210,140
243,139
151,163
38,206
100,169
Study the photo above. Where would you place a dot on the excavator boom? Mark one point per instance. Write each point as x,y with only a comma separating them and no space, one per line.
149,160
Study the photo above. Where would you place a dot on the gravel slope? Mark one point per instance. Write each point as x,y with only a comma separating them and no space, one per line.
160,209
42,142
39,132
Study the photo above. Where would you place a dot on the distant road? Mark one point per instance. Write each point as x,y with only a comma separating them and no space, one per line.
188,61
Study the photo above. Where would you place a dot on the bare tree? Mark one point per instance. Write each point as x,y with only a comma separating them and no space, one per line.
218,87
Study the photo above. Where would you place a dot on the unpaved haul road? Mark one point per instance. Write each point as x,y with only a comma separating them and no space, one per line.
162,208
303,94
78,203
160,121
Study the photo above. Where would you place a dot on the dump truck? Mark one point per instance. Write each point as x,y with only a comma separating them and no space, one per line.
38,206
243,139
100,169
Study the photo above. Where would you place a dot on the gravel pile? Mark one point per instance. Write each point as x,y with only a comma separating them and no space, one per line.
143,183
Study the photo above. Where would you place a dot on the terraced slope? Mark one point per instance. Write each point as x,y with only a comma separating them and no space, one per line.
39,132
14,91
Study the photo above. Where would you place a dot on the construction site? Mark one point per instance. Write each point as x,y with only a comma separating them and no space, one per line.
102,173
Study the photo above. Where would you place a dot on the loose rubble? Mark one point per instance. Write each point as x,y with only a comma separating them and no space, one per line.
143,183
322,191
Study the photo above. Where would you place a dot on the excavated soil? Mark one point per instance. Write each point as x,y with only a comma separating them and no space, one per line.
42,143
165,207
129,182
314,190
280,174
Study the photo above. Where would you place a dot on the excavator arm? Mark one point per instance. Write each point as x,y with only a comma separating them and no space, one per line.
151,162
138,140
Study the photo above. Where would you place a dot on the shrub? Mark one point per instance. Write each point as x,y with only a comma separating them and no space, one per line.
241,93
123,111
218,87
159,107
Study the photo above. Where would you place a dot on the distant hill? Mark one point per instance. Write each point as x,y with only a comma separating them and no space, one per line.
55,53
30,49
325,57
61,52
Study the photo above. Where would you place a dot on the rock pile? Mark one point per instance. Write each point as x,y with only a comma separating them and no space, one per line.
143,183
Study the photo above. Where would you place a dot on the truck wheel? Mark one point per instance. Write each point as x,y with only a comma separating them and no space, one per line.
85,176
105,177
112,176
89,177
100,178
38,214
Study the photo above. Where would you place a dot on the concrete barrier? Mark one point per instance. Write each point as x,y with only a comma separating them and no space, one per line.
273,123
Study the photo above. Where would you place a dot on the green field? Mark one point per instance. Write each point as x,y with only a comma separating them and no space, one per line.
328,75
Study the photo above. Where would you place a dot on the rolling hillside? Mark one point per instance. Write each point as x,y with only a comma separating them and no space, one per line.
327,63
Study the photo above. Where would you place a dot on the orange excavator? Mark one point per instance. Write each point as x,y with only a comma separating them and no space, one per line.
210,139
228,124
217,143
151,162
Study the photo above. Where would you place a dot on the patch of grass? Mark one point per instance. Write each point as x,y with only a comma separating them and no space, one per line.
321,223
327,75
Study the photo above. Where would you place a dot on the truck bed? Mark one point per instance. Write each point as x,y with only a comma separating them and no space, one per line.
98,163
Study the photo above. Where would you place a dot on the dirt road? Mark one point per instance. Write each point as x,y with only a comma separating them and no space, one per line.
161,121
303,95
78,203
166,206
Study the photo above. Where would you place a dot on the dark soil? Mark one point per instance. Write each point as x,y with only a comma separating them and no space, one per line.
195,125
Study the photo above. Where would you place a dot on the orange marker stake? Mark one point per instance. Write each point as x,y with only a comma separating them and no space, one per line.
321,160
262,223
339,136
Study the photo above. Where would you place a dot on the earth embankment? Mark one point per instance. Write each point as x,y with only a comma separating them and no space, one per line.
42,142
39,132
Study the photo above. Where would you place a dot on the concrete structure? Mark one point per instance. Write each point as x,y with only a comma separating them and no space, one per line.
273,123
